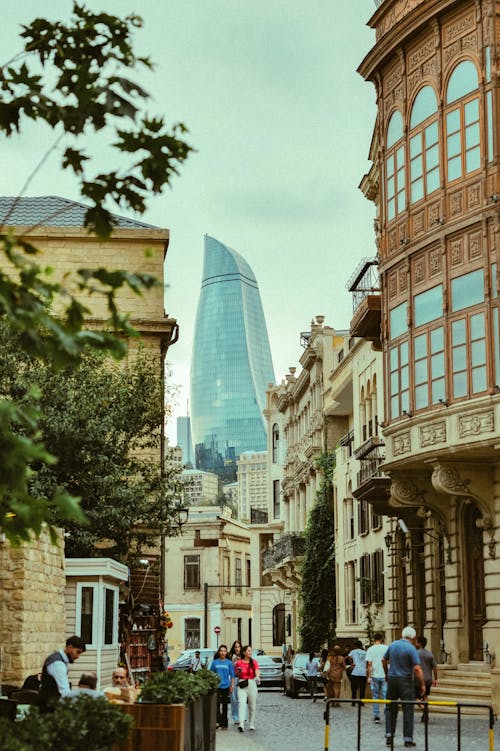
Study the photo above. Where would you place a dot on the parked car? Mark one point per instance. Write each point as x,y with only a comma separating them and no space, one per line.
271,671
183,662
295,676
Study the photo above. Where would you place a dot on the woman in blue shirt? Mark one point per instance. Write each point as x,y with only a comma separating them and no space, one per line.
225,670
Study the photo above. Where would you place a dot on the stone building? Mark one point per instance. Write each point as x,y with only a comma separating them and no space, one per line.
200,487
252,483
32,578
297,434
353,401
435,183
208,581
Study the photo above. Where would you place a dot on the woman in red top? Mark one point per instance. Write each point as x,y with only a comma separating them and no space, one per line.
247,669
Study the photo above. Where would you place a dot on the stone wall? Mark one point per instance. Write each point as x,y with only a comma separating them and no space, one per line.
32,616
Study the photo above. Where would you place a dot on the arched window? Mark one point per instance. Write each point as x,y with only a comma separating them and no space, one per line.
276,442
463,141
395,166
424,146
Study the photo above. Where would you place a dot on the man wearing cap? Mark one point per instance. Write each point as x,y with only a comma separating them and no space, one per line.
402,669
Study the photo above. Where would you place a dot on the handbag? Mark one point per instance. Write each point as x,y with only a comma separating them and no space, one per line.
243,683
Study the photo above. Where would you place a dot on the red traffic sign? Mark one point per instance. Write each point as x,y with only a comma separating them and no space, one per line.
217,630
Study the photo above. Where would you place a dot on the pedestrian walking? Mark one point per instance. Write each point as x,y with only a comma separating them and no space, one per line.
55,680
358,673
375,673
430,673
401,666
333,672
312,672
196,663
235,654
225,670
247,670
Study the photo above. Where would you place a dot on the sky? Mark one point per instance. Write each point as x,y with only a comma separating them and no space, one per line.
281,123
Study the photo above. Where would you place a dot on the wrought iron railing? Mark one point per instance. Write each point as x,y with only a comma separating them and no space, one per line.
364,281
370,467
288,546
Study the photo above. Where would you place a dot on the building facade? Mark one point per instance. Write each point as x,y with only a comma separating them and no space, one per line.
208,581
231,364
199,487
32,581
353,399
435,183
252,483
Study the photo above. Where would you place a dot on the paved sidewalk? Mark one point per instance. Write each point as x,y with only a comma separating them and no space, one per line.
285,724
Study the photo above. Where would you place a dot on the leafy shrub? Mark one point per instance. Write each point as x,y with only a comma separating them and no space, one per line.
178,686
81,724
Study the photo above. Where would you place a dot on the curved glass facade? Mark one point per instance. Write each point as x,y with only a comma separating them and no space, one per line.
231,364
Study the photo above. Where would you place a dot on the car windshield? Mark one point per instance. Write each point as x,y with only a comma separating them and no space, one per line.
267,661
300,661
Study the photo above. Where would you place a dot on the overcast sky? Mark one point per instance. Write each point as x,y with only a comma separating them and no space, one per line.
282,125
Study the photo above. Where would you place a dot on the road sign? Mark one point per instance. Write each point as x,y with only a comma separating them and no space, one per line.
217,630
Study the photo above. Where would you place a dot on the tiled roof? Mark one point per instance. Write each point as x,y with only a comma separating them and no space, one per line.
53,211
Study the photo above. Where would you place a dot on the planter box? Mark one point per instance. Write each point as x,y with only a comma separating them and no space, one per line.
193,728
157,727
209,721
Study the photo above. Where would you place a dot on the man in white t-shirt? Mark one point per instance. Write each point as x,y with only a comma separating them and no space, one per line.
375,672
196,663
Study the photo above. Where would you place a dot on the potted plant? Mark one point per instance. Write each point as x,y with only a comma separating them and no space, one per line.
81,724
173,713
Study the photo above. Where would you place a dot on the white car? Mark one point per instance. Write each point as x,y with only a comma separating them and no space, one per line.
183,662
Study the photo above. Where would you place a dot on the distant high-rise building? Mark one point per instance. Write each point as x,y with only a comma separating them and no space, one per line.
231,365
185,440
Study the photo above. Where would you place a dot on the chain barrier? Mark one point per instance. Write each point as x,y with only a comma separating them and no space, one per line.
457,705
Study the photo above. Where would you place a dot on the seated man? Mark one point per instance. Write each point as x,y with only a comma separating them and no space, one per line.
86,685
119,680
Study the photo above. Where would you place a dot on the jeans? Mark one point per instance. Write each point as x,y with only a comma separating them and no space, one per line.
222,702
379,691
234,701
358,683
312,682
400,688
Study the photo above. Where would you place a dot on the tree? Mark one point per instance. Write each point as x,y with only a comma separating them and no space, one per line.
103,421
318,614
72,78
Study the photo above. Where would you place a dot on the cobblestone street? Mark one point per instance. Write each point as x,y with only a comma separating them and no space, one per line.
285,724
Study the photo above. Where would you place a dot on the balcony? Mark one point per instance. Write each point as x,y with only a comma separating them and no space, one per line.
283,559
373,485
367,302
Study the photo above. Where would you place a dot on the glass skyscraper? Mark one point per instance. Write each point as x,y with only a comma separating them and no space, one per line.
231,365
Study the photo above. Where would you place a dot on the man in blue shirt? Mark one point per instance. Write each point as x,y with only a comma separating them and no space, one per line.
225,670
402,668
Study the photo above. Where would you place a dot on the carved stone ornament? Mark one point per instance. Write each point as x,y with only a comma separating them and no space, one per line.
475,425
446,480
405,493
401,444
432,434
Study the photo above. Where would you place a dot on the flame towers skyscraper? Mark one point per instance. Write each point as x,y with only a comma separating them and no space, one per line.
231,364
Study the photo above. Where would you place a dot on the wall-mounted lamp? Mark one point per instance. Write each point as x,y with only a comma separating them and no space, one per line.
407,413
404,241
381,424
388,541
493,198
438,221
444,402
